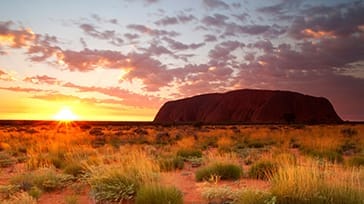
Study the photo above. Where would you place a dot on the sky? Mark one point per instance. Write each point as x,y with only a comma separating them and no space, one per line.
123,59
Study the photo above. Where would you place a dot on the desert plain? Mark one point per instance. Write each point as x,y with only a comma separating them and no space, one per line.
112,162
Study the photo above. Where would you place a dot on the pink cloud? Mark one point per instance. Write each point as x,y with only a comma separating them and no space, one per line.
42,80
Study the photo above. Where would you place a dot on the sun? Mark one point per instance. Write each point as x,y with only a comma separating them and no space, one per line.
65,114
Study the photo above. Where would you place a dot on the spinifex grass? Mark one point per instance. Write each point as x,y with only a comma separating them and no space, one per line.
317,183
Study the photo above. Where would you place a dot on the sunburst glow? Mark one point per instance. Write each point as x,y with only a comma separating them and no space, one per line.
65,114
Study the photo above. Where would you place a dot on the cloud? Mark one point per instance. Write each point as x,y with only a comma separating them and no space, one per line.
210,38
215,4
22,89
337,21
222,51
220,23
153,32
281,8
167,21
103,35
127,98
131,36
42,80
5,76
15,38
102,20
181,46
179,19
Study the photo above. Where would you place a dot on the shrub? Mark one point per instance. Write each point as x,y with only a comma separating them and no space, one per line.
170,164
329,155
315,184
44,179
120,181
356,161
221,170
218,194
74,169
113,186
349,132
7,191
189,153
262,170
249,196
6,160
155,194
20,198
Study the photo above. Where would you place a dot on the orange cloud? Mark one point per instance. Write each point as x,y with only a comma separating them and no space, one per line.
15,38
317,34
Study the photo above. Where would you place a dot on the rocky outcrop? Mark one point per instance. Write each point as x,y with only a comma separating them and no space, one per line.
249,106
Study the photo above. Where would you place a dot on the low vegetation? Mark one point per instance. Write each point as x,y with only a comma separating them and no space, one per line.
156,194
128,164
217,171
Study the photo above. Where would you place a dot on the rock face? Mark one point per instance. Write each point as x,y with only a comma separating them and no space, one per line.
249,106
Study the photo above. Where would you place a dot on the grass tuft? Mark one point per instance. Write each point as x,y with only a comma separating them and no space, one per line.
223,171
156,194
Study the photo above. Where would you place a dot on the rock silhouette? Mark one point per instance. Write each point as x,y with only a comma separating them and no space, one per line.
249,106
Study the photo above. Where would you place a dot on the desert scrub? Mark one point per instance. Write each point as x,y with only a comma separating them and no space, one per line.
223,194
121,180
262,170
74,169
171,163
156,194
6,160
223,171
356,161
113,185
189,153
329,155
250,196
20,198
44,179
317,183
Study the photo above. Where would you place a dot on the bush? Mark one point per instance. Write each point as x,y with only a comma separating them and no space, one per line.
155,194
20,198
170,164
113,186
329,155
74,169
349,132
315,184
223,171
44,179
262,170
189,153
248,196
6,160
356,161
218,194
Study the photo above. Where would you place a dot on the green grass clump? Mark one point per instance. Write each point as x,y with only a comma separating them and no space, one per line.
249,196
262,170
221,170
356,161
171,163
156,194
113,186
44,179
329,155
189,153
74,169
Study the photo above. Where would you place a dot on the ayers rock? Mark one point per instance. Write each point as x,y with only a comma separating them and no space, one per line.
249,106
